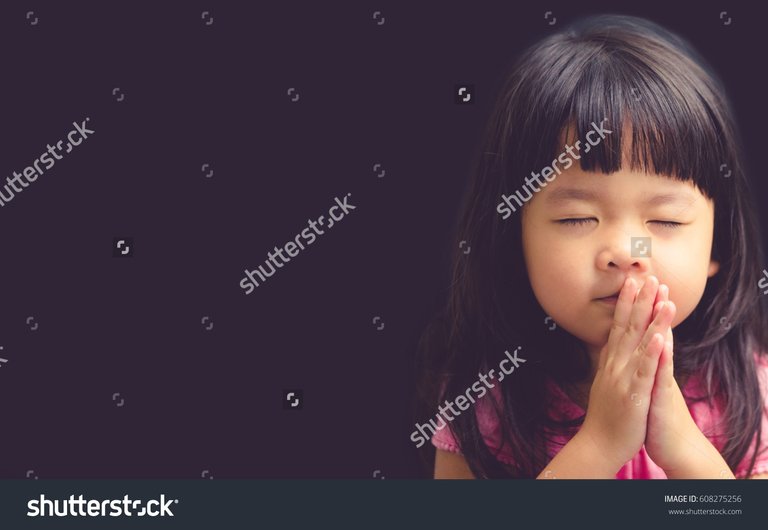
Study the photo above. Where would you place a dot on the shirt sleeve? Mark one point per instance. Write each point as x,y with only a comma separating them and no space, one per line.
488,422
761,462
712,422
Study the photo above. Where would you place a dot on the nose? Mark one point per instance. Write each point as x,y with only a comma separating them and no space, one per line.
626,254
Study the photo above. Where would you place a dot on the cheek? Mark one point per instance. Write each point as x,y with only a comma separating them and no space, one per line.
553,271
686,296
684,270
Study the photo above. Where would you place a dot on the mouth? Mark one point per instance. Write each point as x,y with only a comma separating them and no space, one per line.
610,299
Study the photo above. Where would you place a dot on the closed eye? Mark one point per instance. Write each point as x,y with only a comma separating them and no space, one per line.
580,221
667,224
576,221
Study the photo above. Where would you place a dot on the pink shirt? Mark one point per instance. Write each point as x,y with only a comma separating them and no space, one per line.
639,467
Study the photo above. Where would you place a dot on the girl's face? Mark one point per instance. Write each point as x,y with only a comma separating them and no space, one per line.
572,266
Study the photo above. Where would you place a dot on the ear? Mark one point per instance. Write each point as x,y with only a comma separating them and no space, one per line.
714,266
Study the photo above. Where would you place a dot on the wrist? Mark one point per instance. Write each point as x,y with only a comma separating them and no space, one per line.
606,461
581,457
697,459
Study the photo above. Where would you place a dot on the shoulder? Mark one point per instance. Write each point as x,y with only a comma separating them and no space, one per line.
489,411
712,422
451,465
761,463
489,420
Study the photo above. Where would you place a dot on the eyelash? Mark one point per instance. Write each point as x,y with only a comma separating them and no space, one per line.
587,220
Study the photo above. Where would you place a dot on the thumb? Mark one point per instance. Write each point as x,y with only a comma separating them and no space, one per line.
664,374
669,343
668,357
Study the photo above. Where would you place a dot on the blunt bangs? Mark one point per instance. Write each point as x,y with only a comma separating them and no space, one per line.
663,105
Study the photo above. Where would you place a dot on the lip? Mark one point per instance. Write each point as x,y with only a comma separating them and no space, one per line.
613,297
610,300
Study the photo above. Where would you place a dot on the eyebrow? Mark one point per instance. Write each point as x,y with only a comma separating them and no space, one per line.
562,195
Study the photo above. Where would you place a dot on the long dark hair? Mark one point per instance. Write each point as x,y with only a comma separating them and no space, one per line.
632,71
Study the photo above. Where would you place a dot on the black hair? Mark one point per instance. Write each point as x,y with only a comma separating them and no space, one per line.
679,123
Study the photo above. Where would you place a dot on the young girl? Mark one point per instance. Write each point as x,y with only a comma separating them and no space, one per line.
615,248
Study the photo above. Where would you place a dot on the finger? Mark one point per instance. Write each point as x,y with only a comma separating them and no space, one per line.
659,381
640,317
669,364
663,288
670,339
664,372
620,319
661,296
659,327
645,374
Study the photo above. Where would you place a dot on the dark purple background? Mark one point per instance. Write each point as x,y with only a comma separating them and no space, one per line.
195,94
